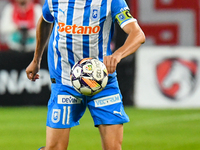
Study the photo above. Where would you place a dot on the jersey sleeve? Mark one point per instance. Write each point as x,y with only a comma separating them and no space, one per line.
120,12
47,13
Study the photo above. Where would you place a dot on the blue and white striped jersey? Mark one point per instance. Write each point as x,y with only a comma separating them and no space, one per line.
82,28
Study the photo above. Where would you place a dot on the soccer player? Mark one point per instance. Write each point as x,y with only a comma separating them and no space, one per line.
81,29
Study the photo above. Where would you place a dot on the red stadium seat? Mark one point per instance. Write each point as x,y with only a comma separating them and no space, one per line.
36,1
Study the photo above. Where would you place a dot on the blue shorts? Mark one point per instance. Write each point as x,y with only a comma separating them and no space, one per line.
66,106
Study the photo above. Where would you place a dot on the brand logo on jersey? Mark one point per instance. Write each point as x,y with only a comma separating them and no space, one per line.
63,11
95,13
67,99
117,112
107,100
55,118
74,29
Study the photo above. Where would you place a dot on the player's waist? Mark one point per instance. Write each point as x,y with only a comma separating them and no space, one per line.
54,80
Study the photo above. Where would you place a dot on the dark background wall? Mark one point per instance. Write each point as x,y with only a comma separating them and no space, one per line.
15,88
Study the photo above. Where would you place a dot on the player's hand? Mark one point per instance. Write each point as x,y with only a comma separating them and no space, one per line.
111,63
32,70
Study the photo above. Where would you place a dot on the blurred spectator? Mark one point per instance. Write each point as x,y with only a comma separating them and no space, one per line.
18,24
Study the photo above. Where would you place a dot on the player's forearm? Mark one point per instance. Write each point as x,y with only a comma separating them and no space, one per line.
43,31
134,40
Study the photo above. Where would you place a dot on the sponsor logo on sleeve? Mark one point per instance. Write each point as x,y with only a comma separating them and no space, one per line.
109,100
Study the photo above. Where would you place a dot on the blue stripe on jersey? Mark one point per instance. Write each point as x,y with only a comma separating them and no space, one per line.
100,44
70,12
109,52
55,71
50,55
58,67
86,20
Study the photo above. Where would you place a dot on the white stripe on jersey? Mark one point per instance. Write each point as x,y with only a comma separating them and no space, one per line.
62,15
93,42
79,21
107,27
54,49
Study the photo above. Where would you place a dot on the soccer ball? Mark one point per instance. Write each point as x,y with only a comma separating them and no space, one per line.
89,76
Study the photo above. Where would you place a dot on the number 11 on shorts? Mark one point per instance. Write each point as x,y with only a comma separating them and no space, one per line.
66,111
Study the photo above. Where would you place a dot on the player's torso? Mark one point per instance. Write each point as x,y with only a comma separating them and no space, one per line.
83,28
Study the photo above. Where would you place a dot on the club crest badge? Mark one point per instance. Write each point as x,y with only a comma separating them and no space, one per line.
55,115
95,13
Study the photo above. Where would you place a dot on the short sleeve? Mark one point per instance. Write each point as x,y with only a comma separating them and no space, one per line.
120,12
47,13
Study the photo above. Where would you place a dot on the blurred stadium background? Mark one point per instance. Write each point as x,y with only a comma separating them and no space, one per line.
159,83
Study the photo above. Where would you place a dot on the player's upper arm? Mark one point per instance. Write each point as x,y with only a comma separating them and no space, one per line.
134,29
47,12
129,24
